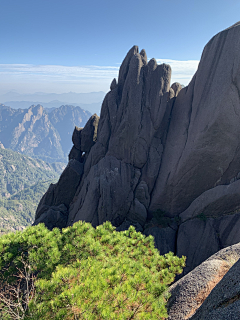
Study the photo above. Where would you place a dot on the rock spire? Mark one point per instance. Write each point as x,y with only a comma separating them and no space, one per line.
163,158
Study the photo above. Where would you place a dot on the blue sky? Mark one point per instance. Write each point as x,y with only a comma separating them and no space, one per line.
74,45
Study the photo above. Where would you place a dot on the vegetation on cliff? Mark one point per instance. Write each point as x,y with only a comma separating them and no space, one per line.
83,273
23,181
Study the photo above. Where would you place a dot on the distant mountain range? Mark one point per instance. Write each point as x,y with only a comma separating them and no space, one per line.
88,101
23,181
38,133
49,106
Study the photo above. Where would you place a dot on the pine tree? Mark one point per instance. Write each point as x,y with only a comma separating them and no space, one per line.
85,273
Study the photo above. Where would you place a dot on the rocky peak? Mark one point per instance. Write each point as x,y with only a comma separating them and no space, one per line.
161,153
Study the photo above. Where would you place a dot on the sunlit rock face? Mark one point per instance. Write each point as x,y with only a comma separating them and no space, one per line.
161,158
210,291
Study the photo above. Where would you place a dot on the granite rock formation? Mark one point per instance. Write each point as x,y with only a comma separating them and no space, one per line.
196,289
223,302
202,148
190,292
165,159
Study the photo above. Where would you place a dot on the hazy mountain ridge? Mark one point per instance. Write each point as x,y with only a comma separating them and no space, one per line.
40,134
90,101
90,97
51,105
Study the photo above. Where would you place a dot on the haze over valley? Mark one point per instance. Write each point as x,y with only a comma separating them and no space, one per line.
90,102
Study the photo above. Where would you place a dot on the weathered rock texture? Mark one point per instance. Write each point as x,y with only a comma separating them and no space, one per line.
201,237
122,165
190,292
164,159
203,142
223,303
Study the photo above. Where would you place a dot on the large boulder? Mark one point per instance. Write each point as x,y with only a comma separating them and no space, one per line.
223,302
76,137
89,133
221,200
190,292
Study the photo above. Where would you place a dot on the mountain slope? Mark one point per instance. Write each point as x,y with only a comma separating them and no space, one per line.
64,119
23,181
40,134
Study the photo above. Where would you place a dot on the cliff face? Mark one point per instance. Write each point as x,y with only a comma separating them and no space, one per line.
165,159
118,170
202,147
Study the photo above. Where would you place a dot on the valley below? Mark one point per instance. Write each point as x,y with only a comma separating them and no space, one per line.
23,182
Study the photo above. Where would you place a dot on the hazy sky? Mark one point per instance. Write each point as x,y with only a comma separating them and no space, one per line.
74,45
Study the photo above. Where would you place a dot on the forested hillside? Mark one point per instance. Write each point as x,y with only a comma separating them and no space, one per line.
23,181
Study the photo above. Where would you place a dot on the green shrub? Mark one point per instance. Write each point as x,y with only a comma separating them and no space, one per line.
85,273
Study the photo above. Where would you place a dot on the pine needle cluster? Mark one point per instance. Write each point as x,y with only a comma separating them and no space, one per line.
83,272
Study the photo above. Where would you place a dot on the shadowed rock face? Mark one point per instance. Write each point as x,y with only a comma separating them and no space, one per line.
117,178
203,142
161,158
